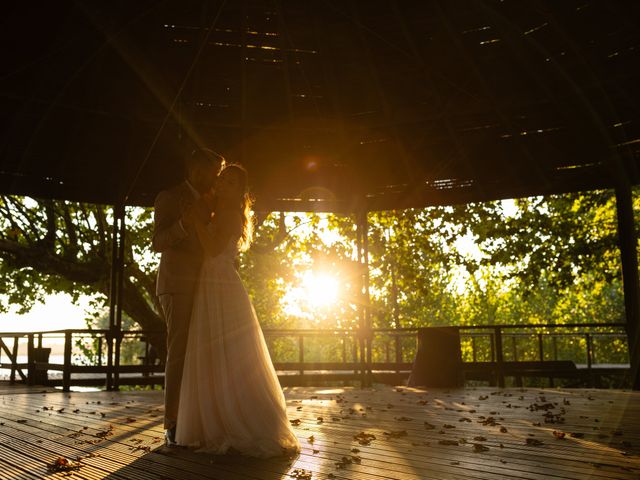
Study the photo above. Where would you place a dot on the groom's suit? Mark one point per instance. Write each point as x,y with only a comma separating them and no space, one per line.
180,264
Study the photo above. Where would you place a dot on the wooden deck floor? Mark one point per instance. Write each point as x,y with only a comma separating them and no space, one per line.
482,433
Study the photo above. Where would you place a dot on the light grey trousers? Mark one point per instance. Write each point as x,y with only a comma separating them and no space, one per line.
177,313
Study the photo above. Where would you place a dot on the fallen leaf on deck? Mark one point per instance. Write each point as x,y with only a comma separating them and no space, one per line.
105,433
62,464
448,442
301,474
533,441
364,438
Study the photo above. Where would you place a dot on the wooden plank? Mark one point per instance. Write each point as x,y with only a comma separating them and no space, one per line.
136,420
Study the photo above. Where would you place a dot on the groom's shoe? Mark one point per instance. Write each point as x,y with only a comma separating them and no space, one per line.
170,437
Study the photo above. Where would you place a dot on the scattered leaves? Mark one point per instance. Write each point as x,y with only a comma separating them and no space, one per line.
63,464
448,442
300,474
364,438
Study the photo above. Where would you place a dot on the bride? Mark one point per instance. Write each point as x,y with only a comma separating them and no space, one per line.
230,397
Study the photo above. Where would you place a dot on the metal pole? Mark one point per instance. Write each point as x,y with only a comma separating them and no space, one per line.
367,296
117,332
499,356
115,312
630,281
361,320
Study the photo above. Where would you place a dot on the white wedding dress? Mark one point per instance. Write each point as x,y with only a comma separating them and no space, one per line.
230,396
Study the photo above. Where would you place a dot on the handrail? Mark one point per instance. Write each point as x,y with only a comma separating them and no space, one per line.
296,331
495,333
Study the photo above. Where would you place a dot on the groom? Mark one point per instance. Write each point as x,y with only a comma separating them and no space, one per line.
176,212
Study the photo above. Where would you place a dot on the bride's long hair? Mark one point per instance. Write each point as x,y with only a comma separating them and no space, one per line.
244,205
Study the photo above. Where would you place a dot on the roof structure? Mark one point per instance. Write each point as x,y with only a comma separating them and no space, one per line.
328,103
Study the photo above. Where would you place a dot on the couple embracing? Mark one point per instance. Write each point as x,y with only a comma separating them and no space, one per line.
221,390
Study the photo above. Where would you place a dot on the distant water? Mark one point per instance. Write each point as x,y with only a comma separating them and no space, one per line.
5,373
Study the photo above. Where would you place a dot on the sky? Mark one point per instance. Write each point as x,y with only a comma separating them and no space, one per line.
56,313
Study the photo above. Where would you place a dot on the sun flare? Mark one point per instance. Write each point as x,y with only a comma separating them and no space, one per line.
321,289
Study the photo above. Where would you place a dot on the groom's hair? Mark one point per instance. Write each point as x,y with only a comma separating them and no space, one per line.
204,156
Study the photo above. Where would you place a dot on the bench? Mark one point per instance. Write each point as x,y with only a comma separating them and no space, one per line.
491,371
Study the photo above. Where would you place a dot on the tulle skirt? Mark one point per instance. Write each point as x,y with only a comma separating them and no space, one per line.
230,396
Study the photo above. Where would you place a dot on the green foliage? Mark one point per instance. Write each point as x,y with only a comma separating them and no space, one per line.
529,261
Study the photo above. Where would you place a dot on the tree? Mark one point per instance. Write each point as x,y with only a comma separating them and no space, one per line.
544,260
49,246
55,246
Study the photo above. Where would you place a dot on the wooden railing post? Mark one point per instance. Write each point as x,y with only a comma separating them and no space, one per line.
14,360
344,350
355,354
30,360
497,332
589,358
66,373
473,348
301,353
398,352
492,347
540,348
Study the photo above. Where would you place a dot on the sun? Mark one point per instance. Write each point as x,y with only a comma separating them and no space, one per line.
321,289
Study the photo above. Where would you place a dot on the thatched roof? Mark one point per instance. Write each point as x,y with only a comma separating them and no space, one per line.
390,103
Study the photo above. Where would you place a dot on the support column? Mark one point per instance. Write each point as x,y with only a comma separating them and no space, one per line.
114,337
631,283
365,324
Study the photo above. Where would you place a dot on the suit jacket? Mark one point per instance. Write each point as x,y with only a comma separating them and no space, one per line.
181,252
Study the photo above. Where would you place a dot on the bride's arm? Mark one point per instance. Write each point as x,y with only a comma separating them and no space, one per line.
215,236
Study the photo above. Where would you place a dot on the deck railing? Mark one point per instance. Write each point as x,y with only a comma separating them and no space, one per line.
312,355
